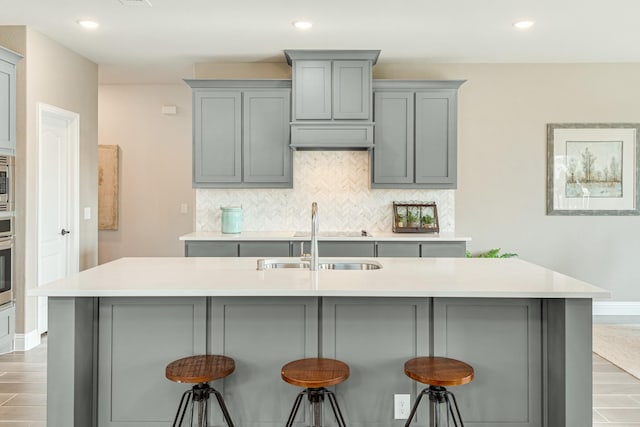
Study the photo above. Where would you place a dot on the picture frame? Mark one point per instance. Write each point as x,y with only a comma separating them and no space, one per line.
593,169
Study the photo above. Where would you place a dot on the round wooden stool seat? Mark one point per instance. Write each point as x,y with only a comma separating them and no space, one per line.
200,369
438,371
315,372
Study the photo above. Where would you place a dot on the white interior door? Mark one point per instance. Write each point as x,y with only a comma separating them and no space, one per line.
57,198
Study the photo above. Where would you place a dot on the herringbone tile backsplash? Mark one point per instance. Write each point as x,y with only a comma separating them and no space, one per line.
338,181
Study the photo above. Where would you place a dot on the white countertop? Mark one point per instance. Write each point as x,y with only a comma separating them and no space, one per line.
375,236
399,277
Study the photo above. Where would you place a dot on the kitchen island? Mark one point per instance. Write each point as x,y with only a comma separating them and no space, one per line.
526,330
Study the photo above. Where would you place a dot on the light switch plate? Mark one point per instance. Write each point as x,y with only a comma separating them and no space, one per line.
87,212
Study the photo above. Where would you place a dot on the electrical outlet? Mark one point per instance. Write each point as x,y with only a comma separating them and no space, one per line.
401,406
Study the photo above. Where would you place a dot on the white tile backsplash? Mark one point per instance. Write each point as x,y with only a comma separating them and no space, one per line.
338,181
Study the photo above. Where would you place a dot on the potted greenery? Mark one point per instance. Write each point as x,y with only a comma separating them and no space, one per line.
426,221
400,221
412,219
493,253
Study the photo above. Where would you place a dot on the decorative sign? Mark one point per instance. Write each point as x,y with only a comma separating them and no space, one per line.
107,187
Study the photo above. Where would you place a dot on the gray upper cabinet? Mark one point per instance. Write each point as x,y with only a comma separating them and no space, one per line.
332,103
415,142
241,134
8,61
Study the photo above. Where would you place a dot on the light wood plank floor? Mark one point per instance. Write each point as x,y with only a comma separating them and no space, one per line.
23,386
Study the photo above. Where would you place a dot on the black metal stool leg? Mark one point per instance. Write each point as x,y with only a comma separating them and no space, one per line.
454,405
223,407
187,395
415,407
336,409
296,406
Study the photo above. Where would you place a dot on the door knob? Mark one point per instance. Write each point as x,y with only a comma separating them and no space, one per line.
63,232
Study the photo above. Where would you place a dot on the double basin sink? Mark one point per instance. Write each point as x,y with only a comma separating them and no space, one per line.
271,264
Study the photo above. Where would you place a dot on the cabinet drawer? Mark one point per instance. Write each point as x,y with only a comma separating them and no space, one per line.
310,136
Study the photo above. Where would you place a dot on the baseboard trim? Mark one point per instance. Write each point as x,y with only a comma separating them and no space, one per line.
24,342
616,308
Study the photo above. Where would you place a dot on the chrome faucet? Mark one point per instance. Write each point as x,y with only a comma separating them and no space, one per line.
314,237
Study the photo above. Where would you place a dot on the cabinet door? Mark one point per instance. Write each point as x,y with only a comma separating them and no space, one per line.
393,149
262,335
443,249
312,80
346,249
217,133
501,339
208,248
375,336
7,105
398,249
139,337
267,156
7,328
351,90
435,138
264,249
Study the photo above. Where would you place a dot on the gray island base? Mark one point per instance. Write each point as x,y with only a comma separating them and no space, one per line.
530,345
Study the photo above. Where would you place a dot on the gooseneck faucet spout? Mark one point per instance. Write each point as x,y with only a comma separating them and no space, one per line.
314,237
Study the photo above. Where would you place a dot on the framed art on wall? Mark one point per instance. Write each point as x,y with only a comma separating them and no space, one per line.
592,169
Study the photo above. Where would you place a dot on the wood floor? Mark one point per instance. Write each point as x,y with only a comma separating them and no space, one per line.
23,388
23,385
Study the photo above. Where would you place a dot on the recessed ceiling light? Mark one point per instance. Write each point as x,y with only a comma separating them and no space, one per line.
523,25
302,25
90,25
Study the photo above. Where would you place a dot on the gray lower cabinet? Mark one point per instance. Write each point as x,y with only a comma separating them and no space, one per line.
138,337
266,249
7,327
415,139
8,61
421,249
374,336
337,248
262,335
208,248
241,134
502,340
211,248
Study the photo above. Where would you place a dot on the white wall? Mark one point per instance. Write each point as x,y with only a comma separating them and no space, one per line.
155,168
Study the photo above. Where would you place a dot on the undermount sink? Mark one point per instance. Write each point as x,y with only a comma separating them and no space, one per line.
369,265
271,264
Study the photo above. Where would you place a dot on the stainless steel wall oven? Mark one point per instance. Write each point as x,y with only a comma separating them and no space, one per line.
6,260
7,164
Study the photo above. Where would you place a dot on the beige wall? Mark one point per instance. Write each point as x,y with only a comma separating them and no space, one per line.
501,196
51,74
155,168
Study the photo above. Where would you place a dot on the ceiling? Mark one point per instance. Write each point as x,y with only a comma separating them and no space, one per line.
171,35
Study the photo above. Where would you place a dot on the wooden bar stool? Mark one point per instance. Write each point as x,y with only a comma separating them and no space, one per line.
315,374
439,373
199,370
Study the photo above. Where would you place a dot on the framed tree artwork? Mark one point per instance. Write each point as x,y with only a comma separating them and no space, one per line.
592,169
